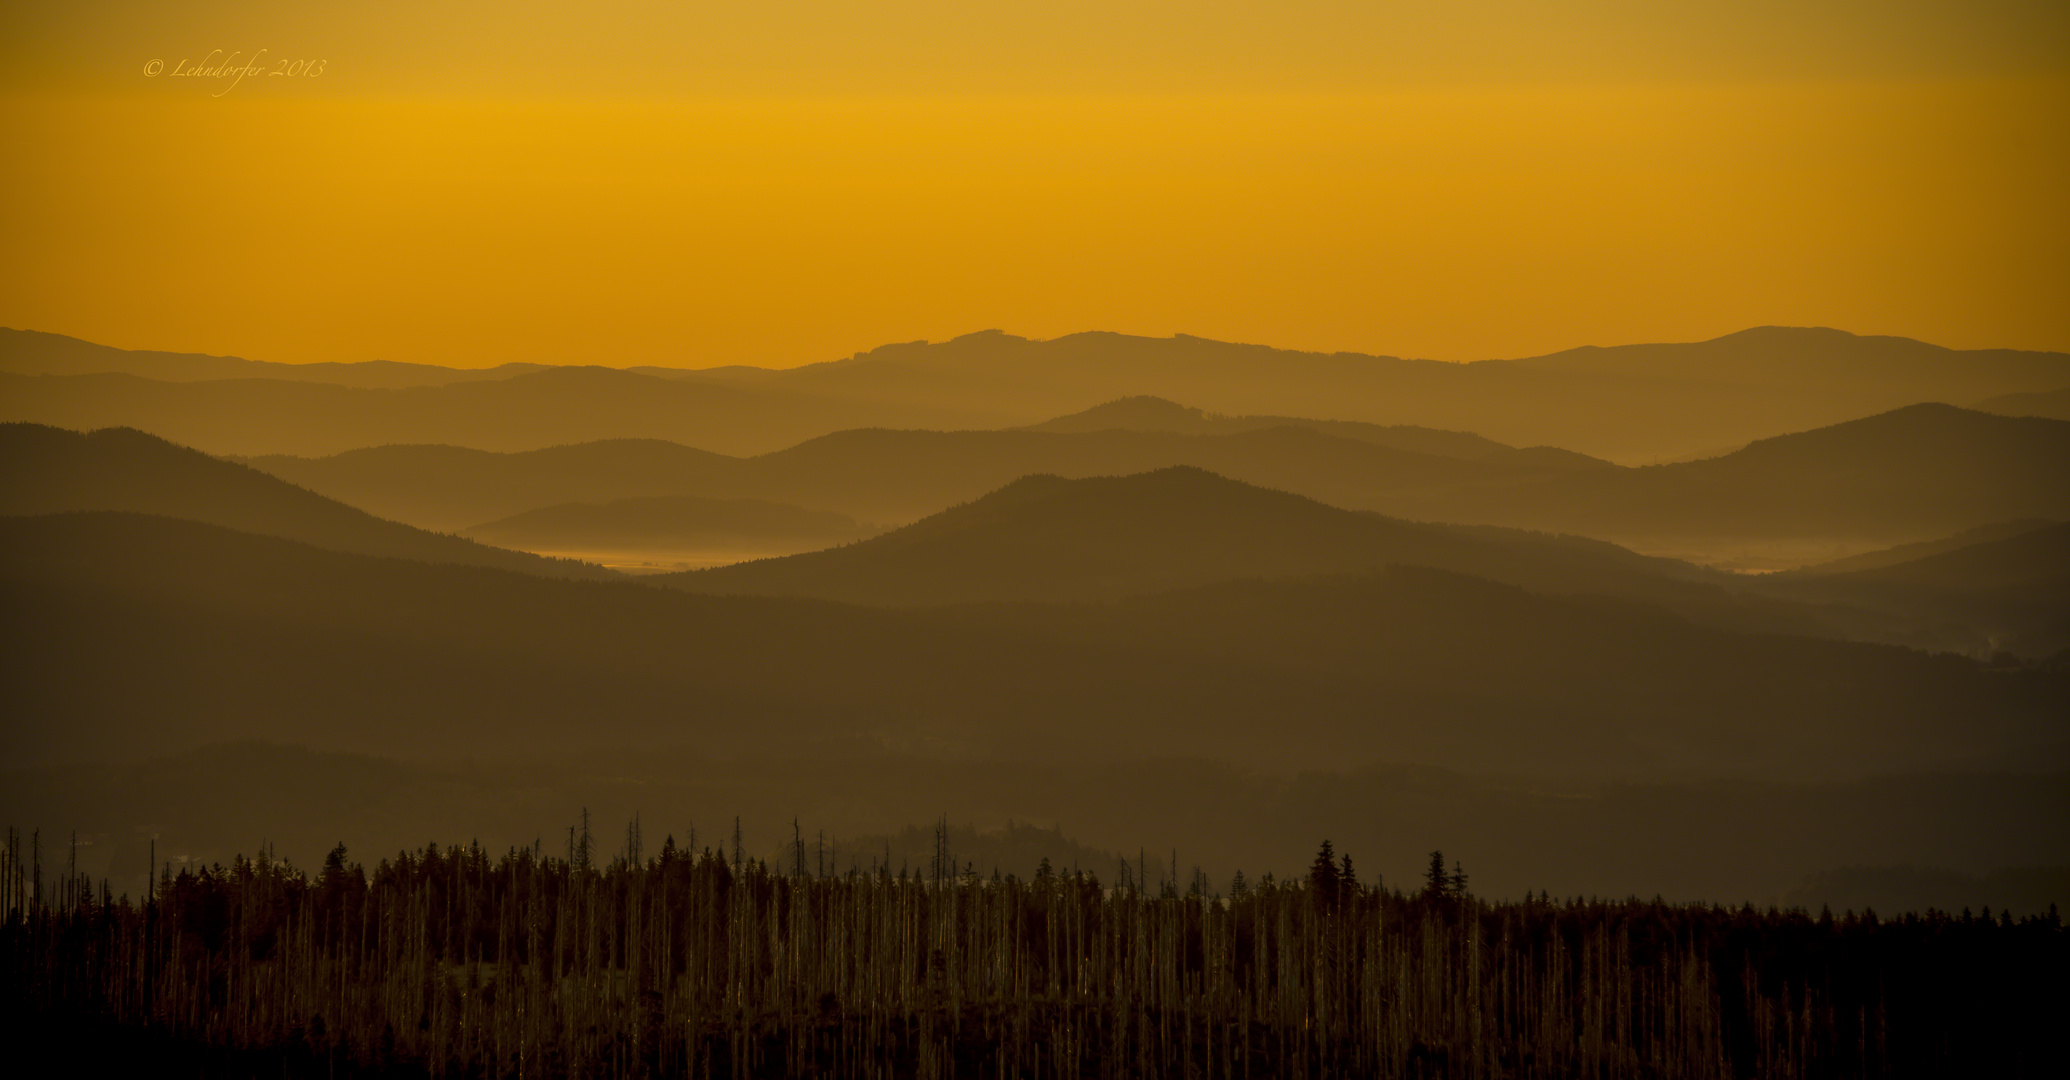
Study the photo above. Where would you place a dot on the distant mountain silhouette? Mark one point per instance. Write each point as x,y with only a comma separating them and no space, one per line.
1144,413
133,635
46,470
547,407
31,352
1811,358
1140,413
903,475
1634,403
1909,474
670,521
870,474
2053,404
453,488
1912,474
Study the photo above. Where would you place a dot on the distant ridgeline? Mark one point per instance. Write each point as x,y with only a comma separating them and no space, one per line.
453,963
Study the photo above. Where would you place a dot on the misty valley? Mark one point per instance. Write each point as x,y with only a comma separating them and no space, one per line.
991,699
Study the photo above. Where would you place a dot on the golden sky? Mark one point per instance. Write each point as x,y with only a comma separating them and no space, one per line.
778,182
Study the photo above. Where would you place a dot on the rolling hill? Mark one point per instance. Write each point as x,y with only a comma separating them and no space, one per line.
1912,474
1144,413
47,470
547,407
2053,404
870,474
1904,553
452,487
133,635
1050,539
31,352
2005,591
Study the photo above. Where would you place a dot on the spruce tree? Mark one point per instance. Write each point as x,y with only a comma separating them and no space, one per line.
1437,884
1322,874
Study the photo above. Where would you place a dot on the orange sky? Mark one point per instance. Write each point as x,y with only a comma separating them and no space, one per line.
784,182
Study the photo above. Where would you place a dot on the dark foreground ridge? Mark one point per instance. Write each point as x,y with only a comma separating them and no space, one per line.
450,963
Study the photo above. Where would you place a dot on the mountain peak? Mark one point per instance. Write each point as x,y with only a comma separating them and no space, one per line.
1798,333
1141,412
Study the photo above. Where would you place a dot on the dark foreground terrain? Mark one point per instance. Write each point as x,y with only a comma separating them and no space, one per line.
450,963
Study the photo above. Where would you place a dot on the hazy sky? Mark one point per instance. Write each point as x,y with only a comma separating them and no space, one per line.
778,182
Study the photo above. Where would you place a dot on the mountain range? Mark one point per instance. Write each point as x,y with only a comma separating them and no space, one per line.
1185,590
1637,403
893,477
1054,539
1909,475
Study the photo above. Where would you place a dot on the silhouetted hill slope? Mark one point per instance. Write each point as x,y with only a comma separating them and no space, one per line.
2025,559
522,412
874,474
2009,593
1498,640
1045,538
1156,414
1904,553
2053,404
903,475
1914,473
1910,474
47,470
1144,413
452,487
2028,559
670,521
31,352
132,635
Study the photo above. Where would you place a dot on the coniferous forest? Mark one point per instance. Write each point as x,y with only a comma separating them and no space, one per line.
456,963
